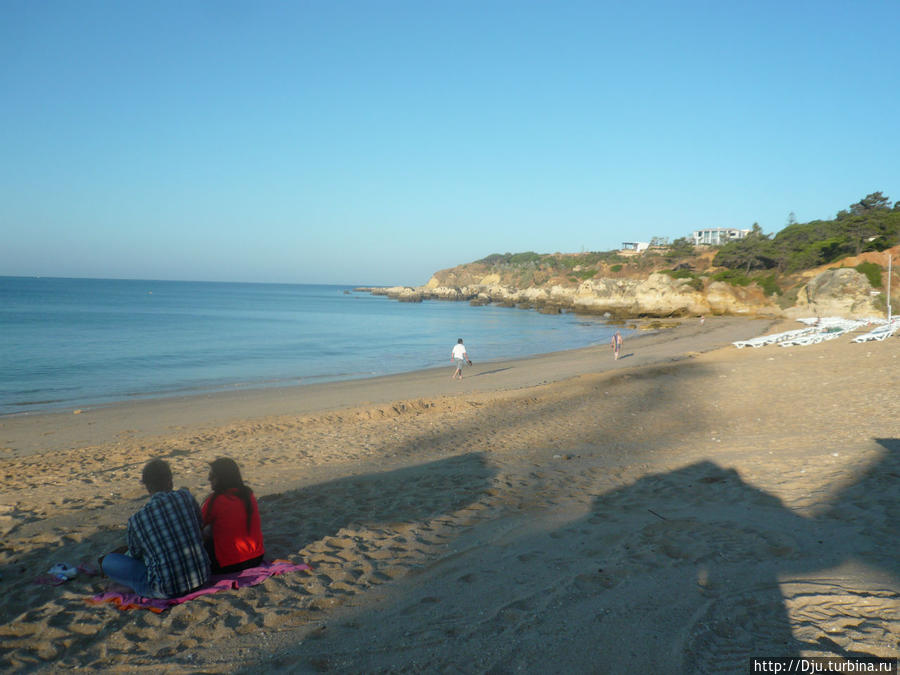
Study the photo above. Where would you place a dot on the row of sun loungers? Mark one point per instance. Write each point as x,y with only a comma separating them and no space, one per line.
825,329
881,332
819,330
764,340
832,322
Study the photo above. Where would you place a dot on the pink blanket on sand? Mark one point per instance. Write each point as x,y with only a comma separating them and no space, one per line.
217,582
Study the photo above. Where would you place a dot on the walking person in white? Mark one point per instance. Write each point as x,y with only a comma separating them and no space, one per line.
459,357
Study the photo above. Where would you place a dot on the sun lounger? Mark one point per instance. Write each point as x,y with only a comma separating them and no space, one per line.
879,333
817,330
826,329
764,340
813,339
826,322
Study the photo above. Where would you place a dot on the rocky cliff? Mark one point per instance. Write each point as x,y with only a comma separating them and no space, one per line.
842,292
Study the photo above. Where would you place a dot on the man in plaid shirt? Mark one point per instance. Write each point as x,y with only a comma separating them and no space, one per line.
166,557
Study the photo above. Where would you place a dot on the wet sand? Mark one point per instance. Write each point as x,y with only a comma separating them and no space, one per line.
686,507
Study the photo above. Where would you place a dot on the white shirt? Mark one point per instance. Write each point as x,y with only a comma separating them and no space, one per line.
459,351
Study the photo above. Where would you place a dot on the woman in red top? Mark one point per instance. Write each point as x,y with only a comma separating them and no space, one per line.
231,520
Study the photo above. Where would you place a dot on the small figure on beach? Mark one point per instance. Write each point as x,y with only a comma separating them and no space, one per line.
459,357
616,343
165,555
702,319
231,525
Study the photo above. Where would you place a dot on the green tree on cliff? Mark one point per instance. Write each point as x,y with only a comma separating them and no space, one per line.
871,224
753,252
680,248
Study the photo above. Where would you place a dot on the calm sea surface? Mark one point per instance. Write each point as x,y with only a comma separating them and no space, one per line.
77,342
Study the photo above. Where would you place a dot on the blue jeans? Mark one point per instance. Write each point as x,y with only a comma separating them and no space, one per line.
129,572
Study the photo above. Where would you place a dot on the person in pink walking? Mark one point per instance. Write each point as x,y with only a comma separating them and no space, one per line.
616,343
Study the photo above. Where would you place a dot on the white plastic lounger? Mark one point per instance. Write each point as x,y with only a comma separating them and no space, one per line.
879,333
827,322
827,329
813,339
817,330
819,322
764,340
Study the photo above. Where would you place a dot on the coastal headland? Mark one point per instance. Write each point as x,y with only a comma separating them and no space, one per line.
648,286
685,508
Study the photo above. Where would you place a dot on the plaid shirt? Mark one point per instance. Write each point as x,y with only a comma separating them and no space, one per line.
165,534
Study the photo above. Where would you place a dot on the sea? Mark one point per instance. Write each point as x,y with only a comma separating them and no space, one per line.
72,343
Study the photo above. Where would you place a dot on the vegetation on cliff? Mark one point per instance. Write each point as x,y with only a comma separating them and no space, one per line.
775,263
870,224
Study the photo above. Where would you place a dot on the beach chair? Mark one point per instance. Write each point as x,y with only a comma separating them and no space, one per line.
879,333
817,330
764,340
826,329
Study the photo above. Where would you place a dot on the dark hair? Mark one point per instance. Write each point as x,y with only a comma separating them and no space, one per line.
459,342
228,477
157,476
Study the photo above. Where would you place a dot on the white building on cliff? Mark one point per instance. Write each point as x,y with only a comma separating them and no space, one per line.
633,247
716,236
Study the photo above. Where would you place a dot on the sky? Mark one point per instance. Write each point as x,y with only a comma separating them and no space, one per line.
378,142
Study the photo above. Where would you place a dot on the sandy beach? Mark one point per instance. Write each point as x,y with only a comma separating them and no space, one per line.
682,509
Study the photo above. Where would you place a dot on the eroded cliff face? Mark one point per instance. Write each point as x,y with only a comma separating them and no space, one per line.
842,292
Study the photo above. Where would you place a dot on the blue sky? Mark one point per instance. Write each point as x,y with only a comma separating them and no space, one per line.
377,142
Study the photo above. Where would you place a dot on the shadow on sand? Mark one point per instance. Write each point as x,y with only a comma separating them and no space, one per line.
708,570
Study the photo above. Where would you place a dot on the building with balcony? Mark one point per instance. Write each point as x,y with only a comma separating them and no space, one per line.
716,236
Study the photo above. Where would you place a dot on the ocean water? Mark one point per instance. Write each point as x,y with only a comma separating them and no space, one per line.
80,342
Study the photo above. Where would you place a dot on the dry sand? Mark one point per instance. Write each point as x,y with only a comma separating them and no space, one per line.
680,510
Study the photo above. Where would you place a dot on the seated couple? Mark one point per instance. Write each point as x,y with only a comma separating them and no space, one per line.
174,545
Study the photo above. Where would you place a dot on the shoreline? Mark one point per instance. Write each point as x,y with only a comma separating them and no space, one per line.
535,517
252,384
26,433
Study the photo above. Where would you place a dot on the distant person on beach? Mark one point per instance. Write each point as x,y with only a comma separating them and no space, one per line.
459,357
165,555
616,344
231,526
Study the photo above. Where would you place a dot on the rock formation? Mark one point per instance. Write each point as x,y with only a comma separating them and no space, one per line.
842,292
